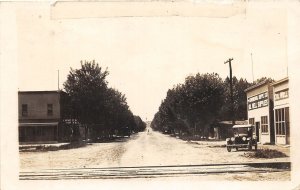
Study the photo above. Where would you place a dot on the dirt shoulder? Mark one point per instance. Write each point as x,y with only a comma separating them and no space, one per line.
239,156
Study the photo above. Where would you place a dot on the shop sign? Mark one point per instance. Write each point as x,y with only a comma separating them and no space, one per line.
258,101
281,94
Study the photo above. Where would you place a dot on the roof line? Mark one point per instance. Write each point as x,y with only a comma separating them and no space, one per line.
257,85
280,81
41,91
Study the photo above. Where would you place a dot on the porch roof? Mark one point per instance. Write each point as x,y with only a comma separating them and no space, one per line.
38,124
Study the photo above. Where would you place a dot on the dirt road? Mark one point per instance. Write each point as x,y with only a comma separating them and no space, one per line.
142,149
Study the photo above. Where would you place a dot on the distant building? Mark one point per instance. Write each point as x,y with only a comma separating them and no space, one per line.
281,111
260,111
223,129
41,116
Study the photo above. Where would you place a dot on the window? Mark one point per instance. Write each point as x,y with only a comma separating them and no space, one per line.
280,121
24,110
251,121
50,109
264,124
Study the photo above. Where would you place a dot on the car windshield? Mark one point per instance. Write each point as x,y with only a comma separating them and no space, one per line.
242,131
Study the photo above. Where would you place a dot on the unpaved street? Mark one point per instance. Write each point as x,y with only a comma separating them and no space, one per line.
142,149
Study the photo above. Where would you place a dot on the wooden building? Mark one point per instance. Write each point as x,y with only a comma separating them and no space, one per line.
41,117
260,111
268,110
281,111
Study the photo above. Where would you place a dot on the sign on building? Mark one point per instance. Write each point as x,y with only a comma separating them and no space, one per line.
281,94
258,101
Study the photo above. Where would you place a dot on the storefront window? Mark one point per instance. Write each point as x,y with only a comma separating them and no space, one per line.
264,124
280,121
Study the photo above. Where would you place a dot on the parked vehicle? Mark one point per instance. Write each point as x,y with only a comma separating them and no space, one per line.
243,138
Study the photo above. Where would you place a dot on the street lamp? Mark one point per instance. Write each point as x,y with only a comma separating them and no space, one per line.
231,90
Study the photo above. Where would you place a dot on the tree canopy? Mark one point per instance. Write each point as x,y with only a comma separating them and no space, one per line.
103,110
191,106
203,99
87,89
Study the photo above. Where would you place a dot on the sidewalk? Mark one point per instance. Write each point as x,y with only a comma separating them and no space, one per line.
28,147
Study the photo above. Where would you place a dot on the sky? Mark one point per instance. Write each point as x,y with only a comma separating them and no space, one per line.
147,55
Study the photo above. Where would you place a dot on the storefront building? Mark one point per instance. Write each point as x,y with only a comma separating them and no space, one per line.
39,116
281,111
260,111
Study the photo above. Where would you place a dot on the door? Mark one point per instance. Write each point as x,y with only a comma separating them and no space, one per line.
257,128
287,125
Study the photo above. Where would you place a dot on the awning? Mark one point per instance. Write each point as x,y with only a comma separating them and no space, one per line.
240,126
38,124
243,122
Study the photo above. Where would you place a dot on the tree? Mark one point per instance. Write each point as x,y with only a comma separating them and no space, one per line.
262,79
100,109
87,87
140,125
239,97
200,101
205,97
192,106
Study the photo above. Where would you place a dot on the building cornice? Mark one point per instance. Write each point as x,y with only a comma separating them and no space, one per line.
265,82
286,79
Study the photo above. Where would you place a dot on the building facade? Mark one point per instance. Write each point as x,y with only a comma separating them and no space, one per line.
40,116
260,111
281,111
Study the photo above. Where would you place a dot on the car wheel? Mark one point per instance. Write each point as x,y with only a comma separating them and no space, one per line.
228,149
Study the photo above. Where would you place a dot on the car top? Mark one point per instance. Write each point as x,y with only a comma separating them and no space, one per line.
241,126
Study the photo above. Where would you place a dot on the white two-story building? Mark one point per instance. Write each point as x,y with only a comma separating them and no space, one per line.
260,111
281,111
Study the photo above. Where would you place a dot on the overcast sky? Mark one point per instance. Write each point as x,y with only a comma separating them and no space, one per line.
148,55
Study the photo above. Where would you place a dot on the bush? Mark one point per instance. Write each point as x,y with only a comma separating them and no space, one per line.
265,153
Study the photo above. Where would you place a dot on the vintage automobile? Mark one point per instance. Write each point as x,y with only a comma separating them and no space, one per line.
243,138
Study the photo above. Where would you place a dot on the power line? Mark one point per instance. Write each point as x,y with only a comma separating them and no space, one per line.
252,68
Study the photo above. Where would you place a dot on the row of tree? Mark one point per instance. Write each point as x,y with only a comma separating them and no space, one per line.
103,111
202,101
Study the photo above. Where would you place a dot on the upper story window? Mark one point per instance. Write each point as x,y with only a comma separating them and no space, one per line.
49,109
283,94
24,110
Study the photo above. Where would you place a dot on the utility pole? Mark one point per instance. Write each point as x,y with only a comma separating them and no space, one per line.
231,90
